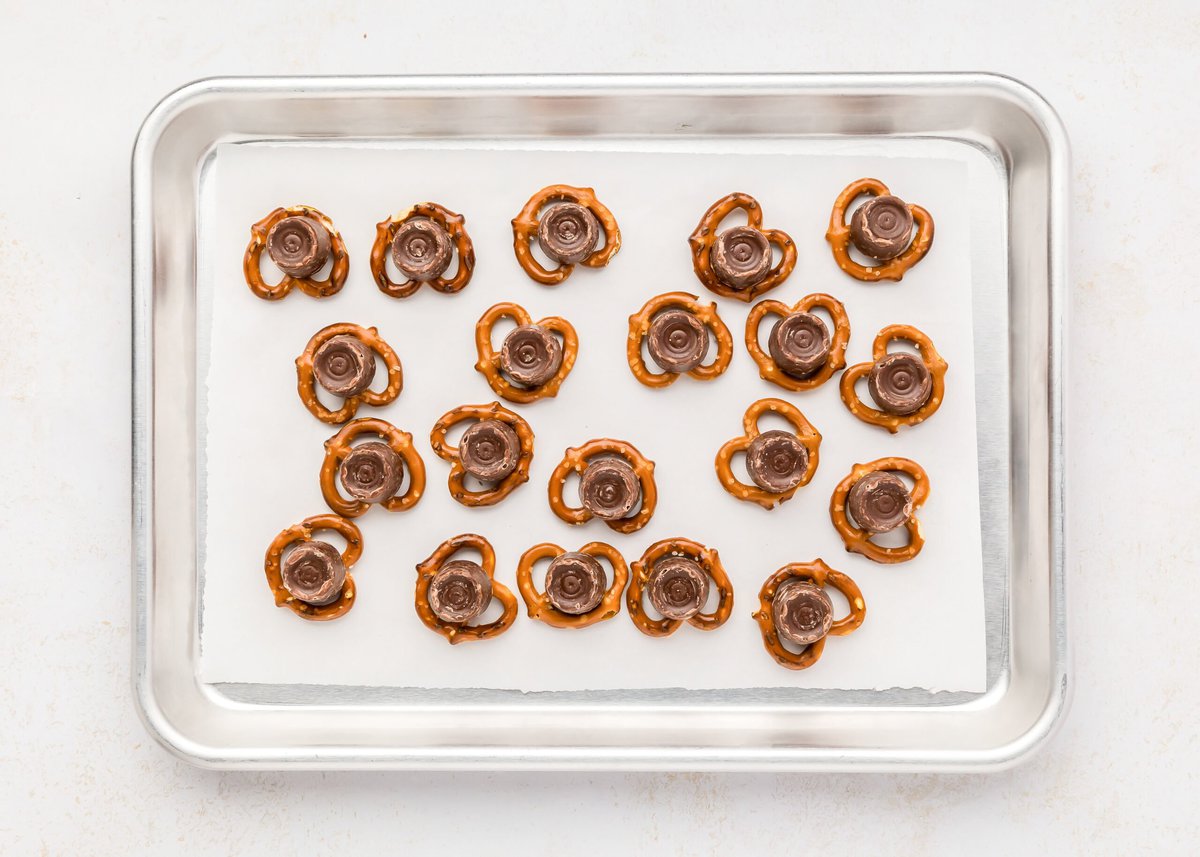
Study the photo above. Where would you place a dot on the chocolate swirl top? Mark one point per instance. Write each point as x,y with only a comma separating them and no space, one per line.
803,612
372,472
421,249
882,227
313,572
489,450
900,383
879,502
460,591
678,587
568,232
741,257
799,344
530,355
776,461
298,245
344,365
609,489
677,340
575,583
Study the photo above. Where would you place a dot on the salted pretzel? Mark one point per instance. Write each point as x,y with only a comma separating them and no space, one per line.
453,593
736,262
613,478
676,574
793,608
304,243
779,463
497,448
908,388
530,351
575,594
422,241
314,569
371,473
308,370
880,504
676,330
567,231
880,228
800,354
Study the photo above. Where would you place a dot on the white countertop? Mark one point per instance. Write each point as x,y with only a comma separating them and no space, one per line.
78,774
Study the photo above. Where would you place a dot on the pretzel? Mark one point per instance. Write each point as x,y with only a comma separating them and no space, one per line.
539,603
306,380
341,444
705,237
303,532
489,360
577,459
445,451
452,223
857,539
770,370
819,574
639,327
808,437
708,560
525,229
838,235
313,288
457,632
929,356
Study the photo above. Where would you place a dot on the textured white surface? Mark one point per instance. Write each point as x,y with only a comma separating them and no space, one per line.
78,774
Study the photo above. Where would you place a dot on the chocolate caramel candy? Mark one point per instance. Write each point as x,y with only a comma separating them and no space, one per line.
610,489
677,340
575,583
313,572
489,450
776,461
741,257
371,472
298,245
530,355
421,249
879,502
344,365
678,587
900,383
799,344
802,611
568,232
460,591
882,227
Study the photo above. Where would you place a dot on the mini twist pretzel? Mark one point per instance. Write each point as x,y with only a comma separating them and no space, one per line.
432,225
682,559
505,484
461,631
605,452
380,474
571,235
328,567
744,269
911,389
306,378
894,505
600,604
678,329
814,624
779,463
317,252
894,265
801,354
550,362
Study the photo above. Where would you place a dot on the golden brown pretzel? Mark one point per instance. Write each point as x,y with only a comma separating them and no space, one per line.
707,559
929,356
306,380
339,446
303,532
705,235
816,572
769,370
538,603
313,288
857,539
447,452
489,359
525,226
806,433
385,232
576,459
838,235
458,632
639,325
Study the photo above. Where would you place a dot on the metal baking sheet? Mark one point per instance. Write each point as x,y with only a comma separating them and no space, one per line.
1018,330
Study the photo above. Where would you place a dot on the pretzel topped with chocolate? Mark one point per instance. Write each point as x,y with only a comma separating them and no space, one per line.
531,363
576,593
677,575
779,463
372,472
880,501
676,330
800,354
616,484
453,593
299,240
736,262
313,578
341,358
496,448
908,389
881,228
794,610
422,241
567,223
